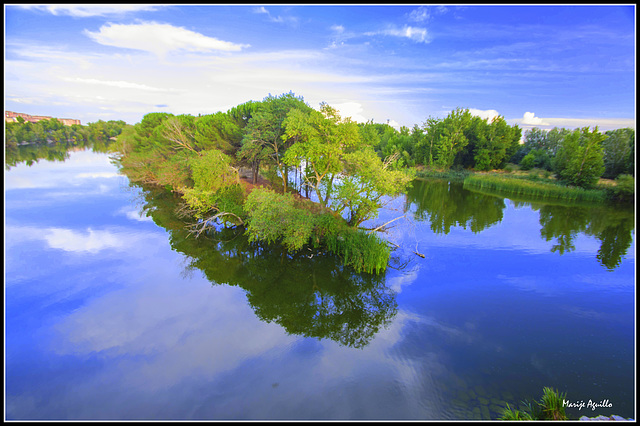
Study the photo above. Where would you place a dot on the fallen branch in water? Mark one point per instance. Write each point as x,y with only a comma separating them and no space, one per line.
417,254
200,227
385,224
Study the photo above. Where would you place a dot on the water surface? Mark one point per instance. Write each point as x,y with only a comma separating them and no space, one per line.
112,311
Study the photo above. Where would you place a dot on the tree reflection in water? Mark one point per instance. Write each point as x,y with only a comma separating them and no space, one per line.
446,204
308,293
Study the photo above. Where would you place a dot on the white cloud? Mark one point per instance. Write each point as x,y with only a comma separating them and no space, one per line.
279,19
488,114
120,84
97,175
602,123
424,13
22,100
529,118
87,10
72,240
135,214
394,124
420,14
351,109
416,34
159,38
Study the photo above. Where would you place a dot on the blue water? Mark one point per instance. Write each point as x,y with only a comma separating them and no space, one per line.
111,313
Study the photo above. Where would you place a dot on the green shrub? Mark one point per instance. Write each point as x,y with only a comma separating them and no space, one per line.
528,162
272,217
623,190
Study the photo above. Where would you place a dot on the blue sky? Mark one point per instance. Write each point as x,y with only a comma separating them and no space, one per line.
542,66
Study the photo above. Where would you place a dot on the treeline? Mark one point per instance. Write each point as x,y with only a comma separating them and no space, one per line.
580,156
460,141
53,130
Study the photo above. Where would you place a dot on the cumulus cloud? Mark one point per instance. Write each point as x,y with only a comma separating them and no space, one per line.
159,38
351,109
488,114
529,118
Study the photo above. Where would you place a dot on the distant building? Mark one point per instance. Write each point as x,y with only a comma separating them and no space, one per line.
12,117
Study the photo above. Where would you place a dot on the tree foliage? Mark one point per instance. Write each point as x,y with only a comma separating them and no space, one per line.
619,152
264,135
579,159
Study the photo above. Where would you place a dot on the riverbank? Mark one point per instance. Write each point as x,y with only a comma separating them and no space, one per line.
535,183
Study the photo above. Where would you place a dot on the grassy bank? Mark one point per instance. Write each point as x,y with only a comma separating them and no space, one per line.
537,189
450,175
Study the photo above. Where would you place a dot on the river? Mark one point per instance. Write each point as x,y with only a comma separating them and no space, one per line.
114,312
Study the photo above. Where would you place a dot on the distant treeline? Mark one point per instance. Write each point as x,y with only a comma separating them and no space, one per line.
462,141
53,130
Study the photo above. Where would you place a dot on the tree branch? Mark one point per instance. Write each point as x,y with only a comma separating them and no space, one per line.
385,224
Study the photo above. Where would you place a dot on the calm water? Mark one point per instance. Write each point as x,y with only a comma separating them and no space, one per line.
113,312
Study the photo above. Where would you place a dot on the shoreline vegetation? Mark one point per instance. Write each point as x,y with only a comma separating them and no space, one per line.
311,180
551,406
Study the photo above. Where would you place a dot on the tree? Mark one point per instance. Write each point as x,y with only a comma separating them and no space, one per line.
453,139
265,139
345,172
579,159
367,179
618,148
215,188
446,137
218,131
179,131
323,137
433,128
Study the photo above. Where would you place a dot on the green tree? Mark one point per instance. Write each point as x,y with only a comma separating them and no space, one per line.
618,147
579,159
215,188
323,137
218,131
264,136
367,180
452,139
432,130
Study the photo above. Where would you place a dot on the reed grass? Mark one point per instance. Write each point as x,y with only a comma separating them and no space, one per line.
532,188
359,249
552,404
514,414
550,407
